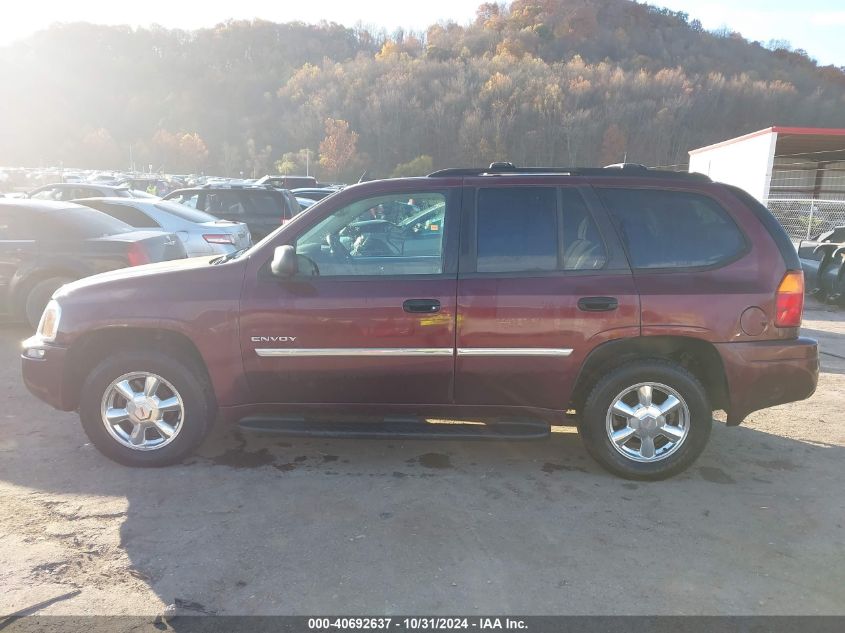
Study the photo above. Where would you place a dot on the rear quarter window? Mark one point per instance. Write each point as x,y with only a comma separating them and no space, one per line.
673,229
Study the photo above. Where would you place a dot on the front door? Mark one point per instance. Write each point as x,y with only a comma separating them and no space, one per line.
370,316
542,281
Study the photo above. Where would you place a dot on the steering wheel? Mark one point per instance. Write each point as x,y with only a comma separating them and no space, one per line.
336,248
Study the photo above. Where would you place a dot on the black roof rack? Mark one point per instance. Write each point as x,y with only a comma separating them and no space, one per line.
619,169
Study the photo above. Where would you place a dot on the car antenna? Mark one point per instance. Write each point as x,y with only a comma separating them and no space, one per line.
363,176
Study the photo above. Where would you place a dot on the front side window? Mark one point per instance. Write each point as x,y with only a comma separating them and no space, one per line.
673,229
396,234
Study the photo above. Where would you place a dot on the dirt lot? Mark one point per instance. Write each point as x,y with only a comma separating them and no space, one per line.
262,525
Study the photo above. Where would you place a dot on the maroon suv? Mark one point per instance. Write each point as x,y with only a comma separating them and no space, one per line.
628,301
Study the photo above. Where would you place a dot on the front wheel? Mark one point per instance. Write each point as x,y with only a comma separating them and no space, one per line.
647,419
145,408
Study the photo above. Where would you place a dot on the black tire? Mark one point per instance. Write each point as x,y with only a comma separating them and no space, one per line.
39,296
592,423
188,380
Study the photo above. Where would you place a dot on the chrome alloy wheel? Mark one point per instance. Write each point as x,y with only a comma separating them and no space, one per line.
648,422
142,411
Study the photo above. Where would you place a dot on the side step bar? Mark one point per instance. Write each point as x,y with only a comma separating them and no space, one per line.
399,428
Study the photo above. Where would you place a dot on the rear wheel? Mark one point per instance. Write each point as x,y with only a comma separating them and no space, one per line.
647,419
145,408
39,296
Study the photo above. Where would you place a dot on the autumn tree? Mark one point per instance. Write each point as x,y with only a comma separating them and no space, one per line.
294,162
99,150
193,152
338,148
420,166
165,150
538,82
259,158
613,145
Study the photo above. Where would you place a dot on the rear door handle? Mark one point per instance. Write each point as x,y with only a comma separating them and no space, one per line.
421,306
597,304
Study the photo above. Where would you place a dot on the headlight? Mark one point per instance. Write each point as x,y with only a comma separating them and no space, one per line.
48,326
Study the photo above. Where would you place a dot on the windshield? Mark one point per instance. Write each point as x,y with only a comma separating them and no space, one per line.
185,212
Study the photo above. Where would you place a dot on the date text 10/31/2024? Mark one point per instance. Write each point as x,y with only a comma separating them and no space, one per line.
417,623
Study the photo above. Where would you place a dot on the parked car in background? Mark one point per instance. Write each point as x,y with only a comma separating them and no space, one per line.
63,191
823,262
200,233
304,203
287,182
45,244
151,185
637,300
314,194
262,209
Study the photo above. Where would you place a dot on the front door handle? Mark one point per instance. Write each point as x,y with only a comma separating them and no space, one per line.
597,304
421,306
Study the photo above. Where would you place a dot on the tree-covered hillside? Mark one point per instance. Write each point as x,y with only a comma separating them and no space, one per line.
537,82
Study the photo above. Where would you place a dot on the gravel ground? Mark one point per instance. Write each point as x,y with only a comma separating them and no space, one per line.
263,525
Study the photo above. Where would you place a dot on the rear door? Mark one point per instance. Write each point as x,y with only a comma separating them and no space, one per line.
542,281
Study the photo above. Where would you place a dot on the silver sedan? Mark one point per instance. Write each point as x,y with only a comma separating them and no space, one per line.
200,232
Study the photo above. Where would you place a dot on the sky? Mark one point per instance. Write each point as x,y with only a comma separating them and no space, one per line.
814,25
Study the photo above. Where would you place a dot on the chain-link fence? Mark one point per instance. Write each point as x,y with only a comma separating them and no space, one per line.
804,218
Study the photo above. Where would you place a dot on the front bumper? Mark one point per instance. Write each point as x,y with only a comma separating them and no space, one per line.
43,370
767,373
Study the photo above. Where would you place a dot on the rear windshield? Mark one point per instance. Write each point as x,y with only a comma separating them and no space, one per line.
185,212
134,193
82,223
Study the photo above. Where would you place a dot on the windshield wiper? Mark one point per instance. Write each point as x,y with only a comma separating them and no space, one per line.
225,258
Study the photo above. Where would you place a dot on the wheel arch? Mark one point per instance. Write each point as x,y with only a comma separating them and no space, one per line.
698,356
25,279
92,347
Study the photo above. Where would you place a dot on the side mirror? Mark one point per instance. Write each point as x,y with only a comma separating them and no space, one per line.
284,261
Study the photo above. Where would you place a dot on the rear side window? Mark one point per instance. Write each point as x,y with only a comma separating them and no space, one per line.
523,229
223,202
517,229
673,229
267,203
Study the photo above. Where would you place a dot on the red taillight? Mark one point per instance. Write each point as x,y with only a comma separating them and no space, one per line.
219,238
137,255
789,300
